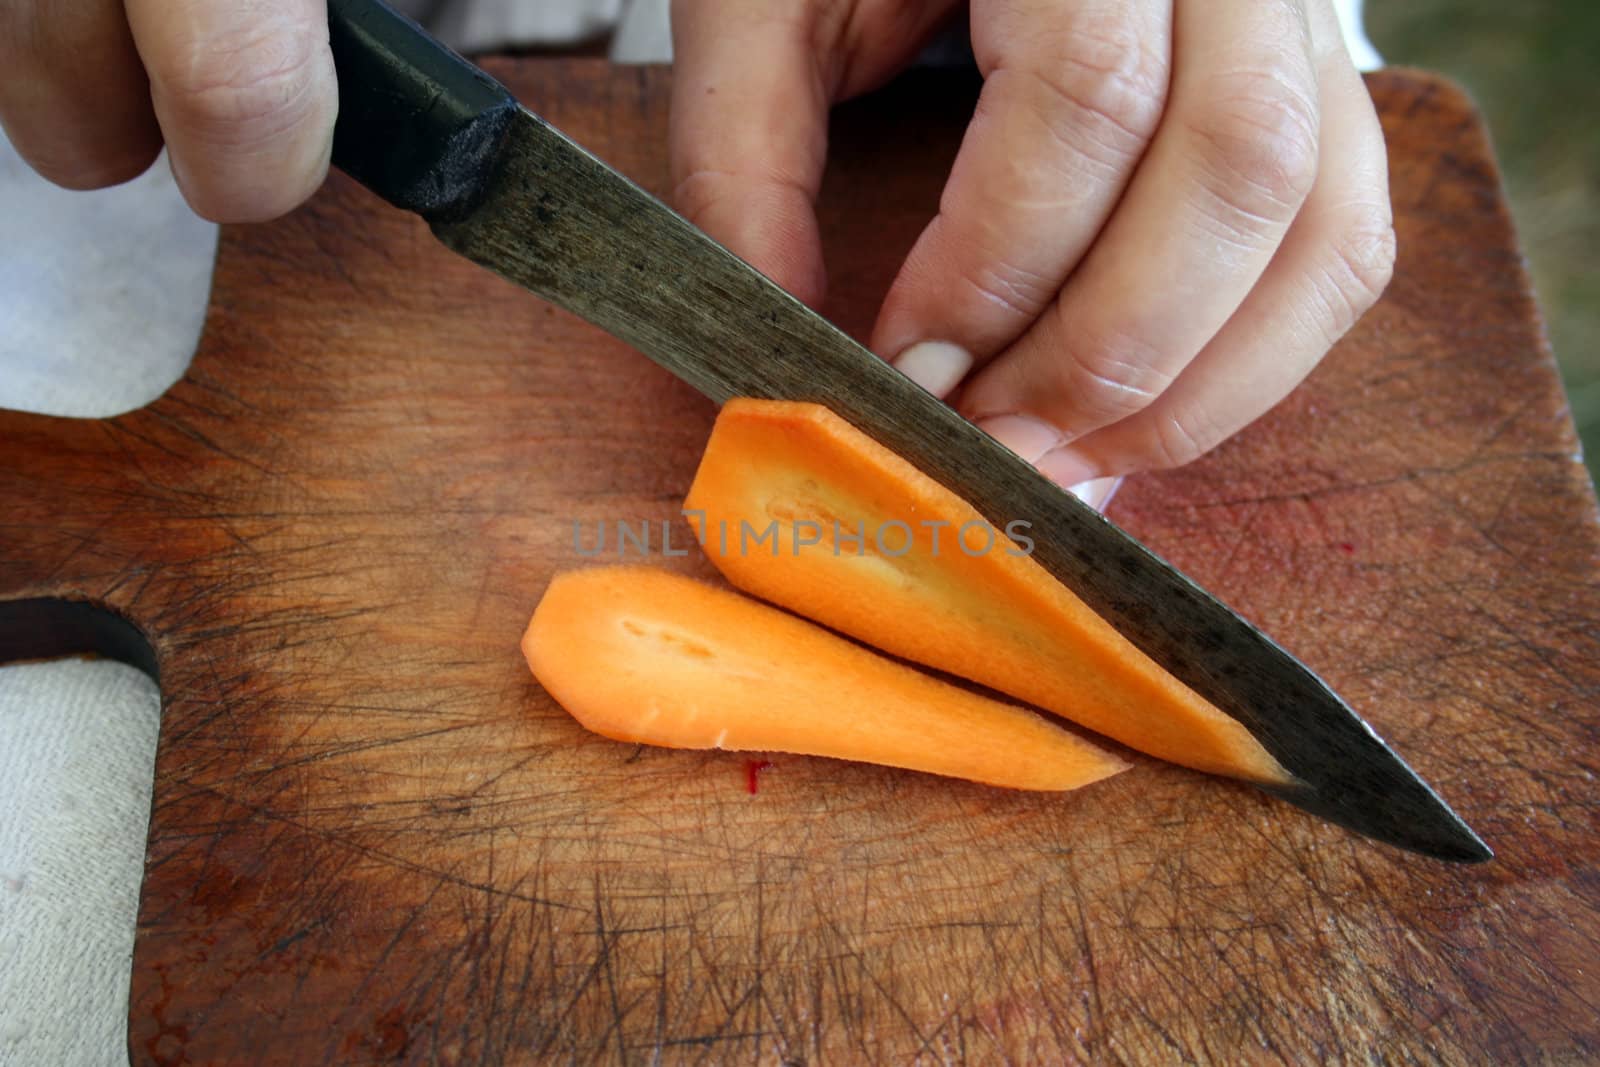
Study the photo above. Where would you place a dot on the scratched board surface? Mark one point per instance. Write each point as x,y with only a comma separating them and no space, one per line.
375,839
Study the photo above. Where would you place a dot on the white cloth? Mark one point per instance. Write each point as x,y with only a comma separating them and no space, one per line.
101,299
78,741
101,294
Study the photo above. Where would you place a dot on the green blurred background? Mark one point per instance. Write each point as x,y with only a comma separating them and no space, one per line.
1534,68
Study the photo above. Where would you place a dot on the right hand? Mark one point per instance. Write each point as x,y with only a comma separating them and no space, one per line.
241,92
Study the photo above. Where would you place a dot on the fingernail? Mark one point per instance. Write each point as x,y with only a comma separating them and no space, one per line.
1067,469
1097,492
1025,435
937,366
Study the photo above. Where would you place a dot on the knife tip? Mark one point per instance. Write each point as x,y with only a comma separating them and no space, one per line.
1467,848
1417,820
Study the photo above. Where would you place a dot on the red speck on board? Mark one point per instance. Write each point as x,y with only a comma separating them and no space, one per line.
1347,548
752,774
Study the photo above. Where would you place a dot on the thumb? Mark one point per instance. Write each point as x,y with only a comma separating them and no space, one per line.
246,96
749,134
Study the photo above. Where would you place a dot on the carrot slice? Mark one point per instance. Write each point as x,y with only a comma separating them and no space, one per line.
867,544
644,655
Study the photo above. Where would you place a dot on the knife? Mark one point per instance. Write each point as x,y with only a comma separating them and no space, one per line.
431,133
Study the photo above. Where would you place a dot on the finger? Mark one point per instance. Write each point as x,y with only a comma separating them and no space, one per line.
749,134
1332,266
74,100
1228,171
751,88
246,97
1072,95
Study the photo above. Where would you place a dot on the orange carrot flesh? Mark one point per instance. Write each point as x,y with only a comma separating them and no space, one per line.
643,655
868,545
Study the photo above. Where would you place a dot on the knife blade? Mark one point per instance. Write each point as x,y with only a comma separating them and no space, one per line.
433,134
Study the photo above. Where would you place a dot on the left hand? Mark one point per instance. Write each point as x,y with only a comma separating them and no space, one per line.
1163,214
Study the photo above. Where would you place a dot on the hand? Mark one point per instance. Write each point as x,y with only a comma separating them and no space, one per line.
1162,215
241,91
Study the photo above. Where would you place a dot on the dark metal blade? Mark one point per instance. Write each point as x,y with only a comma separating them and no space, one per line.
561,223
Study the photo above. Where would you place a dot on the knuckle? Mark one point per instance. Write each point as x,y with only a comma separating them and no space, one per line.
1366,257
1110,86
250,85
1354,271
1108,376
1258,142
701,194
68,134
1014,290
1180,439
695,193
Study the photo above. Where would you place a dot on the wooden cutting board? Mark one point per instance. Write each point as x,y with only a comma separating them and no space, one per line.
374,838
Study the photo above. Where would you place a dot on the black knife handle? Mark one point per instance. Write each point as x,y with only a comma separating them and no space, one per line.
418,125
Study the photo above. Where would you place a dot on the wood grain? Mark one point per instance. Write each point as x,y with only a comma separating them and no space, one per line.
374,839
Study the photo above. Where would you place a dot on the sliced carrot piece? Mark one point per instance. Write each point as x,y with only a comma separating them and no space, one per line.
868,545
644,655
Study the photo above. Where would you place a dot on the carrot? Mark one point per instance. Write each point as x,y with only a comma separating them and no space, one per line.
643,655
903,564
